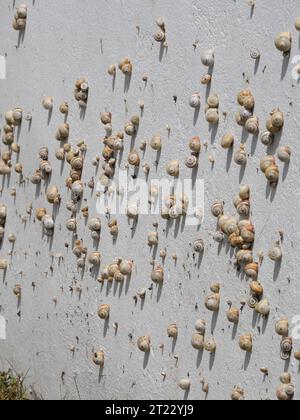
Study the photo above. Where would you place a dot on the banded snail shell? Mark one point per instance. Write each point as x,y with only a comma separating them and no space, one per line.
267,138
144,344
217,209
104,311
191,162
172,331
71,225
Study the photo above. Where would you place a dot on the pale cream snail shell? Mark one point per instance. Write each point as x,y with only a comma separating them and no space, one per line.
283,42
208,57
104,311
157,275
217,209
199,246
64,108
172,331
200,326
245,98
244,257
99,358
252,125
212,116
246,343
126,267
238,394
284,154
3,264
282,327
210,345
198,341
184,384
195,144
94,258
275,254
144,344
267,138
263,307
134,158
195,100
240,156
48,103
212,302
227,141
192,162
173,168
156,143
153,238
233,315
251,270
71,225
126,66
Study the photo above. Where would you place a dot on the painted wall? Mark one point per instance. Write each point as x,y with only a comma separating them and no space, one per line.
69,39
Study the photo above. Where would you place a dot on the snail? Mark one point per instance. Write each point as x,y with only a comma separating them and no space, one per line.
45,167
285,392
153,239
286,348
44,153
106,118
99,358
245,98
219,237
198,341
213,101
48,103
173,168
94,258
17,116
185,384
275,254
64,108
77,163
200,326
17,290
255,54
267,138
252,125
240,156
156,143
233,315
246,343
3,264
130,129
251,270
195,100
172,331
199,246
297,355
133,211
104,311
112,70
77,190
206,80
212,116
222,221
266,162
244,192
195,144
276,121
157,275
134,158
272,175
243,208
230,226
256,289
94,224
126,66
210,345
282,327
160,35
48,222
126,267
284,154
40,213
191,162
263,308
60,154
208,57
53,195
238,394
227,141
217,209
244,257
63,132
71,225
283,42
144,344
212,302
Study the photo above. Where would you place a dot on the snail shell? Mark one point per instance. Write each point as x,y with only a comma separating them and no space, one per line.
130,129
94,224
53,195
17,291
195,100
297,24
64,108
251,270
199,246
287,345
156,143
94,258
297,355
99,358
77,163
172,331
272,174
112,70
244,96
233,315
173,168
106,118
255,54
212,116
200,326
256,289
217,209
284,154
48,222
44,153
144,344
240,156
3,211
119,277
17,116
191,162
48,103
213,101
45,167
282,327
157,275
246,343
104,311
238,394
206,80
3,264
219,237
243,208
60,154
263,307
63,132
266,162
185,384
195,144
77,189
252,125
227,141
267,138
208,57
210,345
212,302
134,158
244,192
71,225
126,66
40,213
153,238
275,253
277,119
126,267
230,226
283,42
244,257
198,341
160,35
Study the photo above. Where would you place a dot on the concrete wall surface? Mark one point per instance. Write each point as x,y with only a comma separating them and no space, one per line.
53,330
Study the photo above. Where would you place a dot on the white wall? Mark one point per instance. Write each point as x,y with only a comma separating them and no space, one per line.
68,39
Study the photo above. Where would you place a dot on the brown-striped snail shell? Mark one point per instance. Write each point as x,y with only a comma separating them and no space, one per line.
48,103
227,141
246,343
256,288
267,138
160,35
285,392
284,154
251,270
195,100
157,275
233,315
213,101
99,358
252,125
192,162
263,308
199,246
200,326
212,302
238,394
245,98
173,168
240,156
198,341
134,158
3,211
208,57
217,209
94,258
172,331
126,66
242,116
210,345
195,144
282,327
243,208
212,116
71,225
283,42
53,195
275,254
144,344
60,154
104,311
77,163
153,238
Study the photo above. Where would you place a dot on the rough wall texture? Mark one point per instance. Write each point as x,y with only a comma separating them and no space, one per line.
68,39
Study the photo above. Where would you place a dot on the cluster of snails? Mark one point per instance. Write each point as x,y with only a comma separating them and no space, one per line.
13,118
271,170
238,394
20,18
174,207
198,339
192,161
117,271
47,220
286,391
125,66
286,346
160,34
244,117
81,92
212,109
3,215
